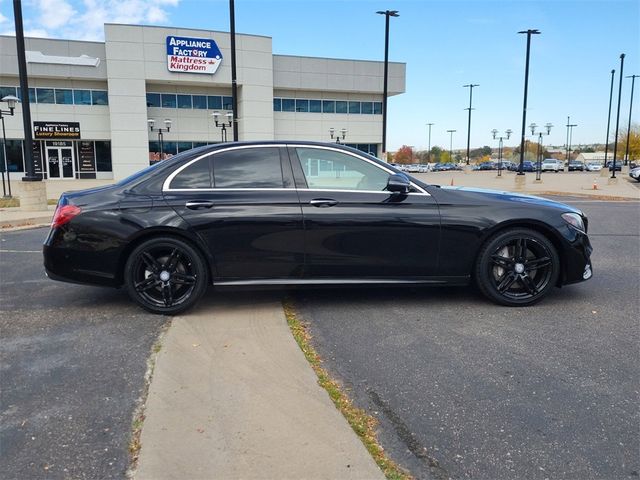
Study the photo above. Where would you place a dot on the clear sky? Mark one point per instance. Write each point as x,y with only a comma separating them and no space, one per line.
445,44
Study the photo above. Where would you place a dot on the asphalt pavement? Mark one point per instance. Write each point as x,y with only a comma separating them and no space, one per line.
467,389
71,371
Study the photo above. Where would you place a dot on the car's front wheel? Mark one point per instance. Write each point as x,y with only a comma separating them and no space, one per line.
165,275
517,267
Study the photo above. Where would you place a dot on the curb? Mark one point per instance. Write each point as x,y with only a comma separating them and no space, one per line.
24,223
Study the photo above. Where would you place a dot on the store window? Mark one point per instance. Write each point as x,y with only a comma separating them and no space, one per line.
82,97
15,161
153,100
341,106
6,91
227,103
288,105
366,108
377,108
99,97
354,107
214,102
184,101
169,100
103,156
200,102
277,104
315,106
184,146
45,95
64,96
32,94
302,105
328,106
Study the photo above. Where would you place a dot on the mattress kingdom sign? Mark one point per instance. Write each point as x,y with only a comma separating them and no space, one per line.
192,55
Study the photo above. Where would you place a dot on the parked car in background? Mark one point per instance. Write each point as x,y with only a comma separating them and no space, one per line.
506,165
413,168
443,167
635,173
263,214
487,166
575,165
423,168
618,165
593,166
552,165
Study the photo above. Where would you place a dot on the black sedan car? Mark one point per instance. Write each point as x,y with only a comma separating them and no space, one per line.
302,213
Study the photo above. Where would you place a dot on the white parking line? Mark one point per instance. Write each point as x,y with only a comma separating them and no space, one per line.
20,251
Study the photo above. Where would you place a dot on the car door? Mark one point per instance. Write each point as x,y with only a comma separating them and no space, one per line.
243,203
354,229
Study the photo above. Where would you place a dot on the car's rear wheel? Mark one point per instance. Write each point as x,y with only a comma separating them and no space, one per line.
517,267
165,275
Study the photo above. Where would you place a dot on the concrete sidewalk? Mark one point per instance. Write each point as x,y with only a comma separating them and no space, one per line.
14,217
232,396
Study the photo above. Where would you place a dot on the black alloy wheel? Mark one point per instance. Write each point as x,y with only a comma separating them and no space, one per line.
165,275
517,267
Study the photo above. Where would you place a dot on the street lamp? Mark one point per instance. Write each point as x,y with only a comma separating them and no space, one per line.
533,127
615,145
332,132
387,14
606,144
626,153
526,89
569,134
161,132
450,132
471,85
429,150
508,133
11,103
223,125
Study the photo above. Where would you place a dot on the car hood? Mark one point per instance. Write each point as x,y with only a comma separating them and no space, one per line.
501,195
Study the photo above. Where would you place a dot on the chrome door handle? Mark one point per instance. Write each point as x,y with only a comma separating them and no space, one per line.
197,205
323,202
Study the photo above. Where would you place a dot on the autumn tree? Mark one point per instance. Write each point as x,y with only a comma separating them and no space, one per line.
404,155
634,143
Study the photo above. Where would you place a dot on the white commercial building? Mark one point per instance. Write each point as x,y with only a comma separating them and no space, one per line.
91,102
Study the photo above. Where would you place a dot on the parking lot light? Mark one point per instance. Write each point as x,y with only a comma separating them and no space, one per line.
471,85
626,153
526,90
500,146
615,145
222,125
450,132
161,131
340,136
11,102
387,14
606,143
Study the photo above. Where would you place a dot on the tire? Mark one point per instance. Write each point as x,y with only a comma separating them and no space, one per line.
165,275
504,270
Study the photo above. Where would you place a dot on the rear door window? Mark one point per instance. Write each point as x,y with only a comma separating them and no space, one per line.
196,175
258,167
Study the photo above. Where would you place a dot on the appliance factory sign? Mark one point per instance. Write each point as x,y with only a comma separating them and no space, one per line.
192,55
60,130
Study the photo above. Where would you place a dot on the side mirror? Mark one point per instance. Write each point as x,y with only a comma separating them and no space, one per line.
398,183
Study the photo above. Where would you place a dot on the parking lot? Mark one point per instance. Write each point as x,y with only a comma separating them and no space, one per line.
467,389
462,388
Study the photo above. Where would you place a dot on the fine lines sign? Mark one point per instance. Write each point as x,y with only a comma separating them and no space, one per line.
192,55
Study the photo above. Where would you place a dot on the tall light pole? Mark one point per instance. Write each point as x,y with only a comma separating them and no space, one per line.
626,152
606,144
234,83
450,132
161,132
387,14
569,133
526,91
615,145
429,150
11,103
471,85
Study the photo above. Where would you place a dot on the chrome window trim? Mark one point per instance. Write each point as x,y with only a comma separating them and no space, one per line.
169,179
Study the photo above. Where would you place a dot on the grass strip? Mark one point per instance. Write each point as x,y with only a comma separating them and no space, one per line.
362,423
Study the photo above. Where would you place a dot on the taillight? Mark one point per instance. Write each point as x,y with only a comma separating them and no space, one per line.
64,214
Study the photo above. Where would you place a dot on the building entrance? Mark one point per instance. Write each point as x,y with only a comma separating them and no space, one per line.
60,160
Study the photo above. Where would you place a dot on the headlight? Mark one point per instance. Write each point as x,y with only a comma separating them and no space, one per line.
574,220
